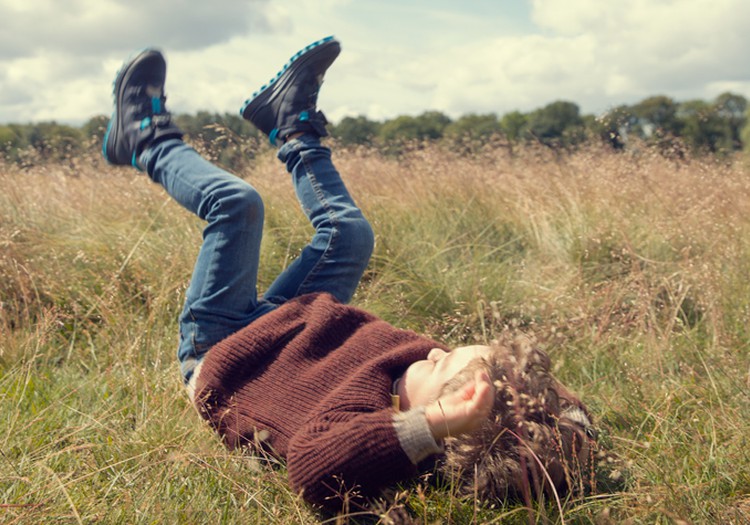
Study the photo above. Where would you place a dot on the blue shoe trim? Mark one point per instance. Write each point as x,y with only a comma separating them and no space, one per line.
304,116
297,55
272,136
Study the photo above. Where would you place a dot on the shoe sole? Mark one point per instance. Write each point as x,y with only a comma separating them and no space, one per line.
266,92
124,73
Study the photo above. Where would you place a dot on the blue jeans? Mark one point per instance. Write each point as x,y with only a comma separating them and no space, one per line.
222,296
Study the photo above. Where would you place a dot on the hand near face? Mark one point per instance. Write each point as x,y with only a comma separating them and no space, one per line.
463,410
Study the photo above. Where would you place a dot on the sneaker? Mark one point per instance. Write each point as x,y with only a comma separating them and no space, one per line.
286,104
140,116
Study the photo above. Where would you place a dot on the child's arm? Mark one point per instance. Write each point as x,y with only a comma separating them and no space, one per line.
351,455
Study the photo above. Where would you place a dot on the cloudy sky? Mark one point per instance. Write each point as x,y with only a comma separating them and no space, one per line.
58,57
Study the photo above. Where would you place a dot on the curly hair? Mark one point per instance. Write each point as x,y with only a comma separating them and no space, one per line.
538,439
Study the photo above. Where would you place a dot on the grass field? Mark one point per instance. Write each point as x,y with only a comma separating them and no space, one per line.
632,270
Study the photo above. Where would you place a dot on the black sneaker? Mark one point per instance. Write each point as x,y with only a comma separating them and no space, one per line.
286,104
140,115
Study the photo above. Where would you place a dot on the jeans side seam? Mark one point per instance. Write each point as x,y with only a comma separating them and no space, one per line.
333,219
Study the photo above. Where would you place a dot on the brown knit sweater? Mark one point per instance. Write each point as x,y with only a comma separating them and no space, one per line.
311,382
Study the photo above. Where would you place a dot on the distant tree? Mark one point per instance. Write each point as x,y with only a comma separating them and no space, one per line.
221,137
6,136
401,128
239,126
356,130
657,117
745,134
473,126
514,125
55,141
702,128
557,124
732,109
433,123
614,126
11,139
202,126
95,128
428,125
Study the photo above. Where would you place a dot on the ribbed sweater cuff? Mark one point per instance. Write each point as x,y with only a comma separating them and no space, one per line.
414,434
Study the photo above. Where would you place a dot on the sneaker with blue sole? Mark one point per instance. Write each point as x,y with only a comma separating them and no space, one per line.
140,116
287,103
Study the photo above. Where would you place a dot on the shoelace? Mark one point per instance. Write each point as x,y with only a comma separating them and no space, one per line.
152,107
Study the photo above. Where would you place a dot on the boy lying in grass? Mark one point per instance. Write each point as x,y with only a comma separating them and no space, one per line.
351,403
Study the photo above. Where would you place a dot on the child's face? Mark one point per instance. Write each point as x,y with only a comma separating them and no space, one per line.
423,380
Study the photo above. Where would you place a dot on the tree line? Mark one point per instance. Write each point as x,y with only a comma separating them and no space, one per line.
719,126
703,127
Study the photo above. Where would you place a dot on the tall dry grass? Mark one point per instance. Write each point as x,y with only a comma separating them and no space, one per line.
632,270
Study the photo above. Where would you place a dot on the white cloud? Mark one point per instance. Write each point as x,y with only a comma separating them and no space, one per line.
398,57
593,53
96,27
654,45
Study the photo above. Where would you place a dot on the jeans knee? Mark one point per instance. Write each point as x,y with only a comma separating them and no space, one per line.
250,201
359,237
241,202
